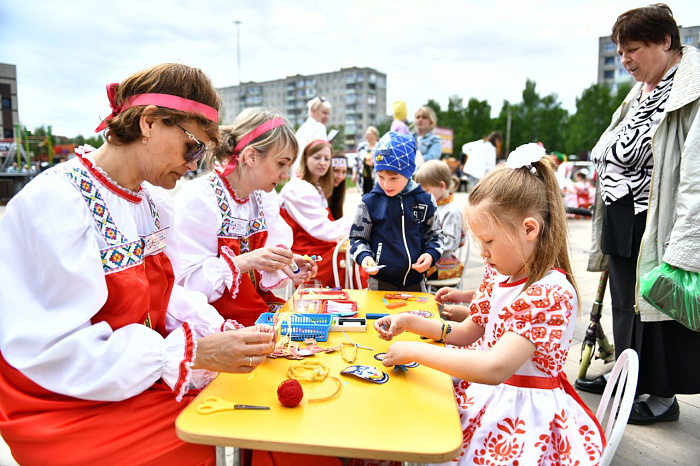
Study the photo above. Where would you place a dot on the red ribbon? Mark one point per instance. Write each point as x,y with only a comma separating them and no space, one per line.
247,139
160,100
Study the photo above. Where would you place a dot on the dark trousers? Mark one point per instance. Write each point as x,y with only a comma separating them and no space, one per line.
667,350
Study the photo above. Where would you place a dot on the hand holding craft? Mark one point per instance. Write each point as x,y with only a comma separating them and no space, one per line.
370,265
302,269
447,295
423,263
402,352
236,351
265,259
389,326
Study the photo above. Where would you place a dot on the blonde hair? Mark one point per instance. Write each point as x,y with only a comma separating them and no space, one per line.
429,113
167,78
326,181
506,196
432,172
281,137
317,102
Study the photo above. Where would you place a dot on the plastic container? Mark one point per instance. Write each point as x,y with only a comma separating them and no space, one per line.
304,326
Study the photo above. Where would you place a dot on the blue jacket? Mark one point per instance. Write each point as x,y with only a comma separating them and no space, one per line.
430,146
395,231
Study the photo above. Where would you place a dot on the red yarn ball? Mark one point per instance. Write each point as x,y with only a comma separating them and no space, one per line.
290,393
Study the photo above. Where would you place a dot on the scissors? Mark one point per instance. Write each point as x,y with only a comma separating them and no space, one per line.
354,346
214,404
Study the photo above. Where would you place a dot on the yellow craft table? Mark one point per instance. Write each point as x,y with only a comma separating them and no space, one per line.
412,417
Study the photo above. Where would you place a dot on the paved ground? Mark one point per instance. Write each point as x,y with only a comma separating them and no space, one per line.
674,443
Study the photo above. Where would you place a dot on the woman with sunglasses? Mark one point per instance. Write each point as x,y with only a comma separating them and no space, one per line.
99,349
233,245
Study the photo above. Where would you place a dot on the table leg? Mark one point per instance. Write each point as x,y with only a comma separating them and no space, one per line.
222,459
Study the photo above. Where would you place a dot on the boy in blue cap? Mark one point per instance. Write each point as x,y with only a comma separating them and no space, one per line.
395,224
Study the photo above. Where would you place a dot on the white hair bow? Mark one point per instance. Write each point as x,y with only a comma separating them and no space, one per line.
525,156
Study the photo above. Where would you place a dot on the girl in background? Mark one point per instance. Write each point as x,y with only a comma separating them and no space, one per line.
234,247
515,402
304,205
339,165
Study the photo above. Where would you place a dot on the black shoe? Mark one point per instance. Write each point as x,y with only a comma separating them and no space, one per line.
596,385
642,415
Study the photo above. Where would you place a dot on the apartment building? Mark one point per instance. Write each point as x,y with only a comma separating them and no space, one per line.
9,117
358,97
610,69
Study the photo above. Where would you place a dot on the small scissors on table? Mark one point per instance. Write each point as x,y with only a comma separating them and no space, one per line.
352,345
213,404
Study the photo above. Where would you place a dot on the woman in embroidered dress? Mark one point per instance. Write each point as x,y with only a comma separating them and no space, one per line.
514,400
234,247
99,348
304,206
647,206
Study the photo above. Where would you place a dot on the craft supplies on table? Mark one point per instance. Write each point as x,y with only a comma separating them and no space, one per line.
342,308
349,324
303,326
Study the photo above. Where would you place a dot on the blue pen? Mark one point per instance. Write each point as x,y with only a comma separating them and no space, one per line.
385,303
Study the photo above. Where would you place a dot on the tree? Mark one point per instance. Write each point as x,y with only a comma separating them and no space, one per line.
594,109
535,119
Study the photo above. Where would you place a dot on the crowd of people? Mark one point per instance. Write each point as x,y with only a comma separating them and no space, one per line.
121,302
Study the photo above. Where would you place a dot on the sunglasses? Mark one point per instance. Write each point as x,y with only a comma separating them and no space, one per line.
196,152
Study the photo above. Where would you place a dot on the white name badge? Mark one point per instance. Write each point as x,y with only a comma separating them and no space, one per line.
155,242
239,226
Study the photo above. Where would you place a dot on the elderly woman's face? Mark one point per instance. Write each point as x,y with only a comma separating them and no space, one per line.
371,137
321,114
644,62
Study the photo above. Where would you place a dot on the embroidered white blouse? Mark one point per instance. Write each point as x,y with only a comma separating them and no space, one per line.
197,229
308,207
53,284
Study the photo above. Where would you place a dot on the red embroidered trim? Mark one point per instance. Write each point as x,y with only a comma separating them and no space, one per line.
230,190
230,324
107,183
181,386
227,254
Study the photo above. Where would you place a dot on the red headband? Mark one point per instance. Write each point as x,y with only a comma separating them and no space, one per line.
317,141
160,100
247,139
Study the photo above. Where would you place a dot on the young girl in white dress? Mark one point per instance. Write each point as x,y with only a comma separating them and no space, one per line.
514,400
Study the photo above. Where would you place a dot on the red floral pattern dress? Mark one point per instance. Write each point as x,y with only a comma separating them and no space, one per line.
514,423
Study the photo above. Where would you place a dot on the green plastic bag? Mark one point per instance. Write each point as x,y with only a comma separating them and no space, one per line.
675,292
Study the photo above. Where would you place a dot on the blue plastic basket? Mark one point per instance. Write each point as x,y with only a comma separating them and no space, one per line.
304,326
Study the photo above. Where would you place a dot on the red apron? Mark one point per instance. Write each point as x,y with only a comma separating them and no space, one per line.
42,427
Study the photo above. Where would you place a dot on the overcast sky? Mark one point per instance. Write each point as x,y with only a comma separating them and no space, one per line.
66,51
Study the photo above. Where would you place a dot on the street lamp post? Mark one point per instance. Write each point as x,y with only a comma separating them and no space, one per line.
238,46
238,55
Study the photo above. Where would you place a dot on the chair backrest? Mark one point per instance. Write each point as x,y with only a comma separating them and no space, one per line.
457,282
624,376
336,253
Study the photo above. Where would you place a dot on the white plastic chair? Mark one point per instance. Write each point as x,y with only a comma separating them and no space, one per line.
351,270
624,375
456,282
